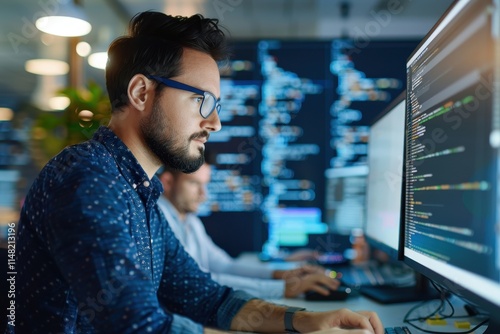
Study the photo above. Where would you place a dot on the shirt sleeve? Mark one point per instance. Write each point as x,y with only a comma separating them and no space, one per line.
219,262
261,288
181,325
191,292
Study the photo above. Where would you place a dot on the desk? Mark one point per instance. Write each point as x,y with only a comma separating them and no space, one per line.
390,314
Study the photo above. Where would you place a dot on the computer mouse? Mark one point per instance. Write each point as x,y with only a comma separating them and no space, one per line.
340,294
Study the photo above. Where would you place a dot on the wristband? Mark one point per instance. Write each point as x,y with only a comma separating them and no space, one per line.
289,313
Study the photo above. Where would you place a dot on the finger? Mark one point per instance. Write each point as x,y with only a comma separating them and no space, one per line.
374,320
319,288
324,280
331,283
312,269
341,331
362,320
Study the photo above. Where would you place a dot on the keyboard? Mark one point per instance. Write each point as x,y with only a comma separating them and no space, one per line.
373,274
397,330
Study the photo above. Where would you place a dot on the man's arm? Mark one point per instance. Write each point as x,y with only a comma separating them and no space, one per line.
263,317
256,279
258,287
218,261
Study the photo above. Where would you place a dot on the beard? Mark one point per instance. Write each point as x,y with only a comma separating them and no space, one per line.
161,140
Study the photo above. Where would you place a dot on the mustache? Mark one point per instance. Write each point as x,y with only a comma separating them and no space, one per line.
201,134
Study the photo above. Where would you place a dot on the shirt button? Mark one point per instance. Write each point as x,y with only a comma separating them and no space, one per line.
146,184
134,186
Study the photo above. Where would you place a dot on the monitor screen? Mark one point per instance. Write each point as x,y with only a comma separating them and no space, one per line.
345,198
290,227
452,198
295,114
384,186
384,190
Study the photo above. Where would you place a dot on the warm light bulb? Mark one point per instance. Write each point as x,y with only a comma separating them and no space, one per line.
46,67
98,60
6,114
83,49
59,102
63,26
68,20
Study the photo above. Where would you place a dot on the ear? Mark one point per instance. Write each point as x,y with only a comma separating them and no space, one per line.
167,180
140,92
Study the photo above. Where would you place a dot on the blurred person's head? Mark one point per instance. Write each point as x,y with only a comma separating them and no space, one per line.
186,191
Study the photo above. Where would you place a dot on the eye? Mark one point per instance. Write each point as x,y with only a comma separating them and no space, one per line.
198,99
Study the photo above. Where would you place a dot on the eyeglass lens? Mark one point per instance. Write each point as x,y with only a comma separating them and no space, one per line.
208,105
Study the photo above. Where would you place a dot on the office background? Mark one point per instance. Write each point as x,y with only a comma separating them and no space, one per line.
26,134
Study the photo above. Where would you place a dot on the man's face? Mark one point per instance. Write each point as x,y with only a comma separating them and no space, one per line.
174,130
188,191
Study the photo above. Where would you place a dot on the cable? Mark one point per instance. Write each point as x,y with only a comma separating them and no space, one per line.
439,310
445,332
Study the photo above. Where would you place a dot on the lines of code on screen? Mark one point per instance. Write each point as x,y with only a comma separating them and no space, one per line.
452,148
291,112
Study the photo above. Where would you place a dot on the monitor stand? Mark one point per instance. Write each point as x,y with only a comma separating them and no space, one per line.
389,294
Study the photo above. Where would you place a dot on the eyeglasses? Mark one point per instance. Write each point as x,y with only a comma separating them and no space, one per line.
209,102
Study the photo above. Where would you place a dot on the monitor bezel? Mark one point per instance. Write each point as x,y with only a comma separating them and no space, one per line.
460,289
394,254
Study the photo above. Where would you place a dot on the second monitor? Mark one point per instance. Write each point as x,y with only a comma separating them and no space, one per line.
384,201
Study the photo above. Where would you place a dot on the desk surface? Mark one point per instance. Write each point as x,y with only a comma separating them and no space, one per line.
390,314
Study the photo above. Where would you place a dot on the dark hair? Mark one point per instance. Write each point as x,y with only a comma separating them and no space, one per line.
154,46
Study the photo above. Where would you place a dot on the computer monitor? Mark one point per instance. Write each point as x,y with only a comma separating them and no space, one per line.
384,184
384,192
289,230
452,198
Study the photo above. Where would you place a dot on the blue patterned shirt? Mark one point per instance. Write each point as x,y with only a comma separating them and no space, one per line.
95,254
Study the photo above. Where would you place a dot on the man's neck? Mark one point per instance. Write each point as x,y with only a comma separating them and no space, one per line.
137,146
182,216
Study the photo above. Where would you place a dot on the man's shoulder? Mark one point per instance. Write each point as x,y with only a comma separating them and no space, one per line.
81,161
84,155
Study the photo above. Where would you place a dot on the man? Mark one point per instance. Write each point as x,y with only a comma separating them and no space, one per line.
94,254
182,195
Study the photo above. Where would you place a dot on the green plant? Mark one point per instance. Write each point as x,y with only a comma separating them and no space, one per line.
89,108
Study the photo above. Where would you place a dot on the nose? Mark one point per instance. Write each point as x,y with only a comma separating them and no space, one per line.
212,123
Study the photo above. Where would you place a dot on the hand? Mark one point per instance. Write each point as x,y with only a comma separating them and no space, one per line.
342,331
298,272
318,282
303,255
342,321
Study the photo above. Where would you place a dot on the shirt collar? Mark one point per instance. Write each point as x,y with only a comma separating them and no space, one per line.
125,160
171,208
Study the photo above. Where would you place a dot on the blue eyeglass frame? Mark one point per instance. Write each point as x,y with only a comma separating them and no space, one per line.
182,86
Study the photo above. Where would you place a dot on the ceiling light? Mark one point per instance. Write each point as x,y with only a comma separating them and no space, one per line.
69,20
46,67
83,49
59,102
6,114
98,60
